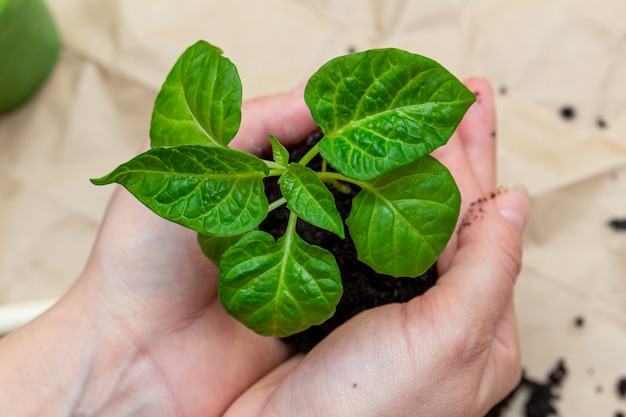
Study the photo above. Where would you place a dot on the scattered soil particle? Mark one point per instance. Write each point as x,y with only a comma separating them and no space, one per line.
540,403
579,321
601,123
621,387
619,414
541,397
568,112
618,224
351,49
558,374
503,90
476,212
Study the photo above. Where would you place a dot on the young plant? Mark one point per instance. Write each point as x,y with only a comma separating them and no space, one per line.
382,112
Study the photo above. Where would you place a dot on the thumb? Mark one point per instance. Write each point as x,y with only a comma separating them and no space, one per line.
285,116
489,257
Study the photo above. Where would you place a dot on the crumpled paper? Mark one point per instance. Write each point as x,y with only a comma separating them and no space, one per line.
546,60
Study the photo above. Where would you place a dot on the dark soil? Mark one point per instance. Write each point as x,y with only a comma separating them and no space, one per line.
363,287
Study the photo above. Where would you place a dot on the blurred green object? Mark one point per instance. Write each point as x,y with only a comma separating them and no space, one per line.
29,46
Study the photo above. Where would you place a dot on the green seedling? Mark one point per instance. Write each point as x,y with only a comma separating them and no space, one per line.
381,111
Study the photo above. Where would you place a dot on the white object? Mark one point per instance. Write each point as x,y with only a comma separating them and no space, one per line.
13,316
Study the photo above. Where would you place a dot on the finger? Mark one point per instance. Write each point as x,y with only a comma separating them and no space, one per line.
454,157
482,274
478,134
470,157
285,116
251,402
502,371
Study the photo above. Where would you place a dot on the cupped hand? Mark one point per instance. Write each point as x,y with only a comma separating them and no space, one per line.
154,294
451,352
172,350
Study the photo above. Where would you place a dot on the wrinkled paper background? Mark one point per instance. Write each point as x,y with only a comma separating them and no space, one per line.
540,55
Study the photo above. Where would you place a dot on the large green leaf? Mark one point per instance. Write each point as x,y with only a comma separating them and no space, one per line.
310,199
401,221
278,288
382,109
200,101
212,190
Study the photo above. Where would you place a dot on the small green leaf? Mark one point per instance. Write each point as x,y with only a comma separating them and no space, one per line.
382,109
215,246
281,154
200,101
278,288
212,190
401,222
310,199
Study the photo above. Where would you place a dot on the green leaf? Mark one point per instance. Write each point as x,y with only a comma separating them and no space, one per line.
278,288
212,190
215,246
200,101
281,154
310,199
401,222
382,109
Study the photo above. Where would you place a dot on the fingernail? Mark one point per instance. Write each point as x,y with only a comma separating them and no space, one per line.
513,204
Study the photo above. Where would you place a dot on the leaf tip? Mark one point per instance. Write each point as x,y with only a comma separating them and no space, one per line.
101,180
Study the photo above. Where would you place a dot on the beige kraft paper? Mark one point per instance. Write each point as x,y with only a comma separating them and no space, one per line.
94,112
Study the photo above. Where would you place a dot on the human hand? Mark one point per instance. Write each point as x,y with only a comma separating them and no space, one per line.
142,331
451,352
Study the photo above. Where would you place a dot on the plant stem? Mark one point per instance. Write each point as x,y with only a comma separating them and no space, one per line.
310,155
276,204
276,172
329,176
291,225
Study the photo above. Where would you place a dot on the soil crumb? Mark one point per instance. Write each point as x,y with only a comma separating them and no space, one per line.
579,321
541,395
568,112
621,387
618,224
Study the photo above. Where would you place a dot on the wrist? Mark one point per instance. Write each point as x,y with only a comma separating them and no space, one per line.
119,375
70,360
